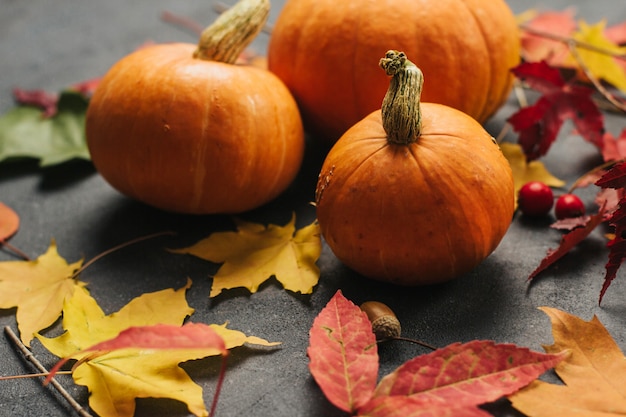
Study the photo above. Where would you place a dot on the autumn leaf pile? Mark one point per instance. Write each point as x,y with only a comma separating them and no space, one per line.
455,380
136,352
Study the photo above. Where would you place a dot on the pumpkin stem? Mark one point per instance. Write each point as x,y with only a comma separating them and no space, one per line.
232,31
402,118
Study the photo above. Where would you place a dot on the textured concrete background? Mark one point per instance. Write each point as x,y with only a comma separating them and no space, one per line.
52,44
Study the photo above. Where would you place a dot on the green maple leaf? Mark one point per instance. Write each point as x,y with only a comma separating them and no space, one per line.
26,133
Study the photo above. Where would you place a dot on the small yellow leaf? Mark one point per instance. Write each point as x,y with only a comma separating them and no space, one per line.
523,171
38,289
254,253
603,66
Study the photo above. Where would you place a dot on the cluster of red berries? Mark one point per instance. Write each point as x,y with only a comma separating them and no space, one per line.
536,199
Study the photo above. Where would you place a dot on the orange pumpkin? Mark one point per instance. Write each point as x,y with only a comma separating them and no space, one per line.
414,193
181,128
465,48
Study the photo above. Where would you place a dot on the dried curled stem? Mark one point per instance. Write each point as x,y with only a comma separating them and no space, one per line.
232,31
401,114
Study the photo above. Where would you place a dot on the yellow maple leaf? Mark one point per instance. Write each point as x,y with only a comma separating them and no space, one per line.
602,65
594,373
38,289
523,171
254,253
117,378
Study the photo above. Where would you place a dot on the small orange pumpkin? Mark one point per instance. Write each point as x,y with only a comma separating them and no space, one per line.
180,127
465,48
414,193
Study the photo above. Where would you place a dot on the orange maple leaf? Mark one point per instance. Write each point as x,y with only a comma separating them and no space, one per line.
594,373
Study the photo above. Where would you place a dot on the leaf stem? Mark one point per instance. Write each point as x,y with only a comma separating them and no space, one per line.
220,383
28,355
15,250
40,374
118,247
406,339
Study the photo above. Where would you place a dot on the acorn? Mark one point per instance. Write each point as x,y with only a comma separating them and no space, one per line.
385,324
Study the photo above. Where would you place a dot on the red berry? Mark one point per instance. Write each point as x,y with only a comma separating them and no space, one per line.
568,206
535,199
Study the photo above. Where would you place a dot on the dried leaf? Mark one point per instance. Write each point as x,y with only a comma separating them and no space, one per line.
9,222
540,123
254,253
569,241
603,66
524,171
466,375
26,133
343,354
594,373
537,48
38,289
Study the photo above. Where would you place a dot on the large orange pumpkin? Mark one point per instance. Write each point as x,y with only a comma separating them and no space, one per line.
415,193
180,127
465,48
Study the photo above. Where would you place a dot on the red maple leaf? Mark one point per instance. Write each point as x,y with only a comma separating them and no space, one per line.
539,124
451,381
615,178
569,241
343,354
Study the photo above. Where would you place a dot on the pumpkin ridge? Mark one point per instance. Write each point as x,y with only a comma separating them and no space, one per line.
488,95
427,180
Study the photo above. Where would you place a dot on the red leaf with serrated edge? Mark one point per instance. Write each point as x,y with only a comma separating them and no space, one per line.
159,336
540,76
343,354
9,222
538,125
568,241
401,406
466,375
614,177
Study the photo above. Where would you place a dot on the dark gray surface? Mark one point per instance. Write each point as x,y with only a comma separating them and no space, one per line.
52,44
